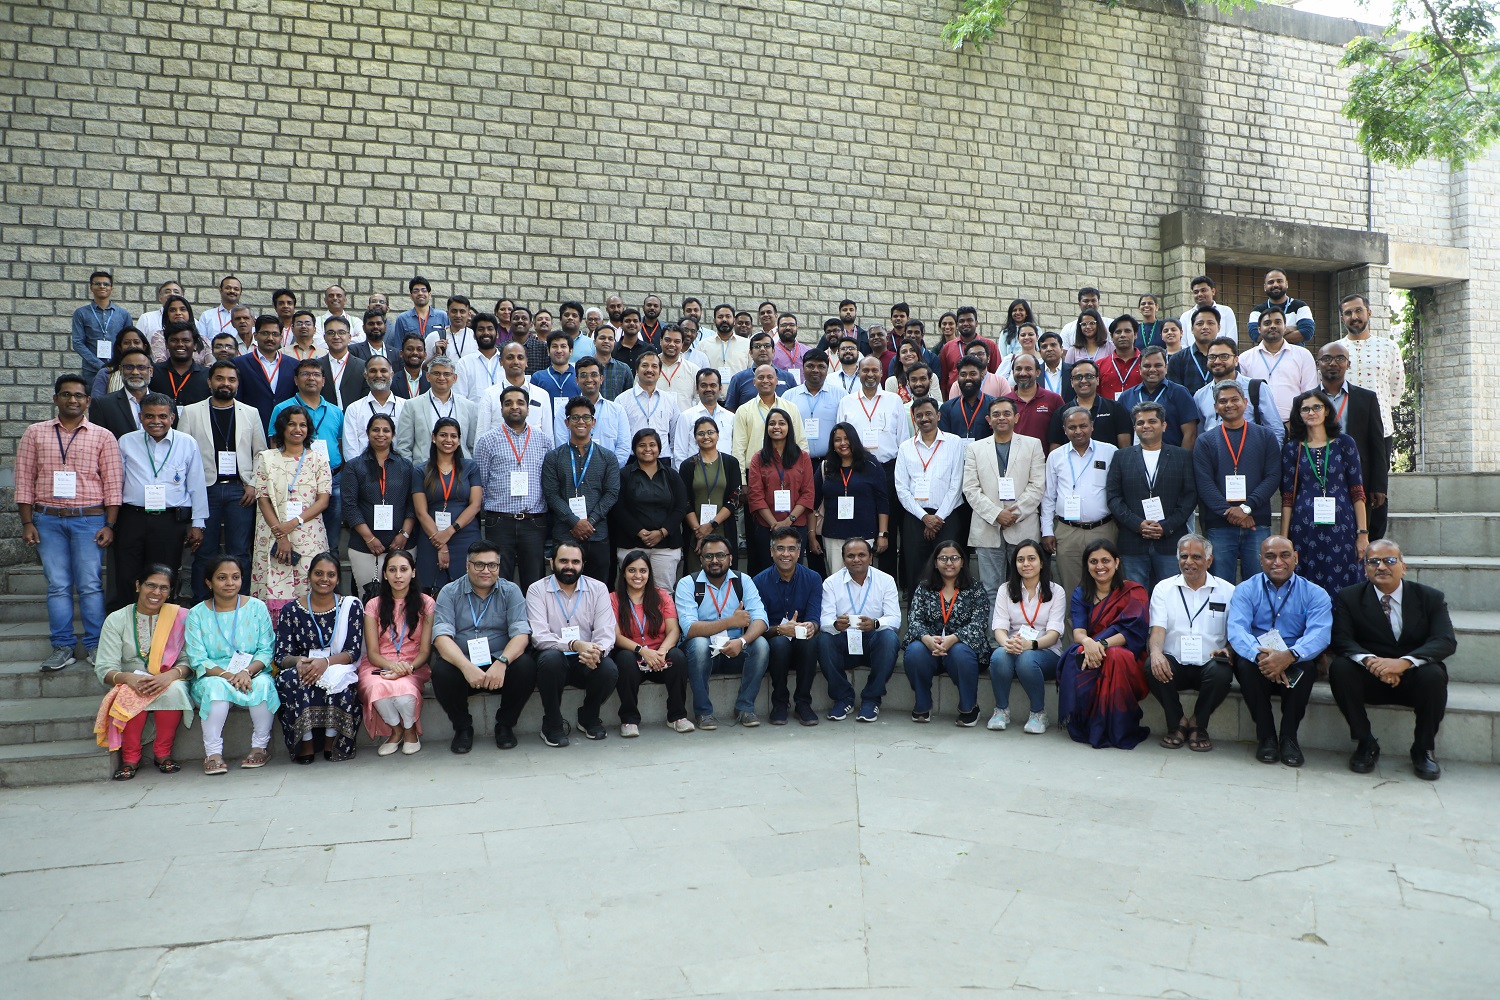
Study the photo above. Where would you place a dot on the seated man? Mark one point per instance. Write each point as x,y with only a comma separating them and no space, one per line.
793,596
1279,624
723,630
1390,639
479,639
1188,645
860,627
573,630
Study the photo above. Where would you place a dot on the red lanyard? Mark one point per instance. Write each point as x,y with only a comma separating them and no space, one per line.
177,389
845,476
525,445
272,372
968,420
1234,456
728,591
947,607
931,455
447,484
1031,618
871,411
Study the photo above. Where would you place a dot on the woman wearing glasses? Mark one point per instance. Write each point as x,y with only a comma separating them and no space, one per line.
945,633
1323,495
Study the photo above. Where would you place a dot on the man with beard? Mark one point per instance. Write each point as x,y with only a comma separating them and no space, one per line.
411,381
379,400
614,308
846,375
481,370
229,435
421,318
572,631
374,342
618,378
788,353
179,377
651,320
954,351
726,352
119,412
1358,411
1374,362
581,482
1034,404
965,417
509,460
1223,366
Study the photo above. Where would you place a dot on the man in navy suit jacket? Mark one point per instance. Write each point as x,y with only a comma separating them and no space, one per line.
1148,544
1358,410
266,373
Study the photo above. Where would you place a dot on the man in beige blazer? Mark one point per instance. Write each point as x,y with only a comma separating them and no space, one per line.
229,436
1004,476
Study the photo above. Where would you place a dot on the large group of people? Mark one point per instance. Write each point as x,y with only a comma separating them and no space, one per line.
527,508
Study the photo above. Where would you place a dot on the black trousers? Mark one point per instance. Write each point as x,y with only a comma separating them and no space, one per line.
889,560
1377,518
788,655
916,550
1424,689
522,544
555,671
1258,692
141,538
1211,680
674,676
453,691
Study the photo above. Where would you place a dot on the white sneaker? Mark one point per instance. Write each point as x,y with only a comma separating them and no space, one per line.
999,720
629,730
683,725
1037,723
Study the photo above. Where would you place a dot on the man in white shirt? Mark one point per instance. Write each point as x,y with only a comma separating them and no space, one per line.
414,429
647,406
335,298
343,373
481,369
859,626
381,399
513,364
1287,368
1204,290
454,339
1075,508
816,401
725,352
929,487
879,418
1189,644
1374,362
708,384
218,319
845,377
678,375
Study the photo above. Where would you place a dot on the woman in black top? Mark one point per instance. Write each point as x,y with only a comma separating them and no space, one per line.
376,494
651,507
711,477
850,474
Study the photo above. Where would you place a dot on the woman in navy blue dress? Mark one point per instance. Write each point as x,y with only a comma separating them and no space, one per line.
1323,495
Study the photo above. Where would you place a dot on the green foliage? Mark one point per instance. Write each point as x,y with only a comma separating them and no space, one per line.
1407,323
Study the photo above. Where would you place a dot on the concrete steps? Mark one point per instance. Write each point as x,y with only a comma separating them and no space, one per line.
1471,583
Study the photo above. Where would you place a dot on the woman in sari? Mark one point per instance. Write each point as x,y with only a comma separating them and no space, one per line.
1101,681
318,644
293,486
395,668
228,642
139,660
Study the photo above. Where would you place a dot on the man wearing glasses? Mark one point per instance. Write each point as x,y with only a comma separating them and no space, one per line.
480,635
119,412
581,481
1390,639
1223,367
97,323
1358,411
1111,421
723,630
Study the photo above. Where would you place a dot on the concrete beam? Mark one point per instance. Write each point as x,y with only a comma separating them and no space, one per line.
1262,242
1419,265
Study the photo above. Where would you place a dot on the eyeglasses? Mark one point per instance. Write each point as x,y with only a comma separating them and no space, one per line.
135,368
1334,359
951,557
787,550
579,418
1374,561
73,396
484,567
713,556
1220,357
1084,377
1317,408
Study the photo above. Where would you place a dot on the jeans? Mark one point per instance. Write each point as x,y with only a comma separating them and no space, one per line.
1035,668
238,524
1150,568
993,566
751,665
788,655
879,656
1237,545
71,561
333,517
961,664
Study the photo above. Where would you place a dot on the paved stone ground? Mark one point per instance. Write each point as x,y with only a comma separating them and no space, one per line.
890,860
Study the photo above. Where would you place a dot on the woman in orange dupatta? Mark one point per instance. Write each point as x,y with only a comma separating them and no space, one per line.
137,660
1100,682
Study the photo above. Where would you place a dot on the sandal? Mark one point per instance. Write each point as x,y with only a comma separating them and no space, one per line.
214,764
166,765
124,772
1175,738
1198,740
257,757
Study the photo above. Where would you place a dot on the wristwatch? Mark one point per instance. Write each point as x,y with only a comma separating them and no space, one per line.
1246,509
503,660
883,534
1034,644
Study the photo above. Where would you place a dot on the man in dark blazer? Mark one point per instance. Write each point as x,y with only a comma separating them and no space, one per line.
117,412
1390,639
343,373
1150,504
1358,409
413,360
266,375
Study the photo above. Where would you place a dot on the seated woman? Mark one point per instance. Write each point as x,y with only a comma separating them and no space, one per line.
228,642
395,668
646,644
318,643
139,659
1030,617
1101,680
945,632
652,504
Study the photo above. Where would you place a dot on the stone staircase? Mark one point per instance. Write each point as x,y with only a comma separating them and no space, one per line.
1449,527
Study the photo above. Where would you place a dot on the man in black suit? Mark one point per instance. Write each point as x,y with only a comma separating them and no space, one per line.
1390,639
374,342
119,412
411,379
1151,494
343,373
1359,414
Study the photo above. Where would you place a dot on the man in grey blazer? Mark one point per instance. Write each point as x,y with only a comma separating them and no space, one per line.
1151,495
414,428
1004,476
229,436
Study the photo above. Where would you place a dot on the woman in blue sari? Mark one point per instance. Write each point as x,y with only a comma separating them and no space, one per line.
1101,681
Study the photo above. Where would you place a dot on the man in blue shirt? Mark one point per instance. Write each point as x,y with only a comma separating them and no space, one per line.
793,596
327,422
1182,412
1223,366
742,385
723,627
1237,467
96,325
1279,624
421,319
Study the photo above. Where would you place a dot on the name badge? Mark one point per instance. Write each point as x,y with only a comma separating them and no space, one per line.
319,654
293,510
156,499
479,651
1073,507
783,501
239,662
321,447
1234,489
570,634
867,438
1190,649
103,350
920,487
385,517
443,520
519,484
228,464
707,512
846,508
1151,507
65,484
1007,488
811,426
580,508
1325,510
856,637
1028,633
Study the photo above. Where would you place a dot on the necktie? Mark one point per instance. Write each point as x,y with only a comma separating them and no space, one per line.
1385,605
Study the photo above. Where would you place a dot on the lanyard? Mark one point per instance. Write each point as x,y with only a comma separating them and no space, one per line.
298,474
718,465
1323,479
1193,615
848,474
422,322
848,381
484,609
638,615
917,444
234,624
1271,369
849,593
525,446
870,411
1151,478
578,476
447,484
1148,330
669,376
104,319
60,447
224,432
719,606
567,612
269,373
657,405
1160,391
1078,474
172,443
457,342
1342,404
452,406
1271,596
136,633
338,375
791,356
413,385
491,371
1234,456
1031,618
1202,370
1115,364
323,643
382,476
969,420
172,381
947,608
398,628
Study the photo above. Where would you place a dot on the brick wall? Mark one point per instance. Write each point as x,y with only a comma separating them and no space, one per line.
797,150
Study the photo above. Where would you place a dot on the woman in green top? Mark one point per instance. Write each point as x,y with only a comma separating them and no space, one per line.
710,478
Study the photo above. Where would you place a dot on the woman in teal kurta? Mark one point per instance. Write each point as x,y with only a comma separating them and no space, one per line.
230,645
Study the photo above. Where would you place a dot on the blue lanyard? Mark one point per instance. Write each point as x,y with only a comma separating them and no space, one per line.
1271,596
644,415
1078,474
1271,369
322,643
578,477
491,372
1193,615
1160,391
638,615
558,383
1047,378
1193,357
104,318
484,609
399,630
718,465
567,612
298,475
849,593
234,625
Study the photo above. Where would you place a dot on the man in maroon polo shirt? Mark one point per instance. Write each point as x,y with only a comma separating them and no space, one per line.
1034,405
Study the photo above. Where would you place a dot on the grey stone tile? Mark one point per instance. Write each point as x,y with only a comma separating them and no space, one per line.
328,964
